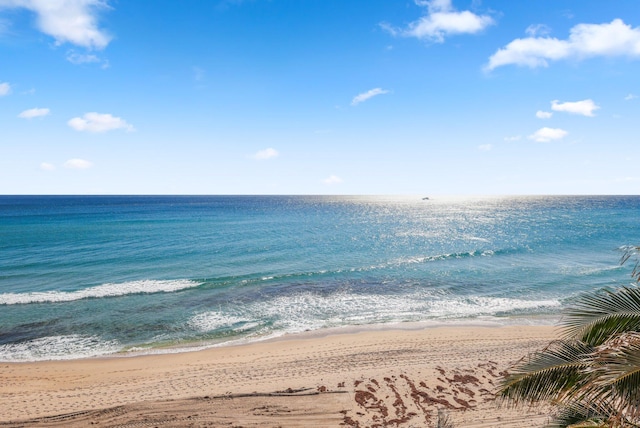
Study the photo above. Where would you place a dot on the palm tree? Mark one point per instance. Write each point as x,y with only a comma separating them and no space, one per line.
592,373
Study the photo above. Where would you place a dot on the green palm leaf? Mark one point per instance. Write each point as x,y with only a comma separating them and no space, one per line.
629,252
551,374
616,376
597,317
578,415
592,375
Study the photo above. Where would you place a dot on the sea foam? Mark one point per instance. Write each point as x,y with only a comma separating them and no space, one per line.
306,311
67,347
104,290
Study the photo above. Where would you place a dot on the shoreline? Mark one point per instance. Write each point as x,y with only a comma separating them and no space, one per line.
339,375
546,320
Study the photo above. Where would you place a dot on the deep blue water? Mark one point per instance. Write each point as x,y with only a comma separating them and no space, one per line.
94,275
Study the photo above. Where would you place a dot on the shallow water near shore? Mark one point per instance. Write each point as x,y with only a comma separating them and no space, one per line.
99,275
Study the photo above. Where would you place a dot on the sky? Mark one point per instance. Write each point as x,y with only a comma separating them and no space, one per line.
421,97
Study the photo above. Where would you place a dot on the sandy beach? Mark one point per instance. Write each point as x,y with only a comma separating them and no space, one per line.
377,378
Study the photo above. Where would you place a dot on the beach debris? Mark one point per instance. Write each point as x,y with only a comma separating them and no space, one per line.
403,401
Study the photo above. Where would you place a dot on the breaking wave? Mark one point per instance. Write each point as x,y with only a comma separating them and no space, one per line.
104,290
67,347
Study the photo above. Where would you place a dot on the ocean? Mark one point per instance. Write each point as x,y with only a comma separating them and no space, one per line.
88,276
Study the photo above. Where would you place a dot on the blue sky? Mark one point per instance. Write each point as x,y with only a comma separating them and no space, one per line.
426,97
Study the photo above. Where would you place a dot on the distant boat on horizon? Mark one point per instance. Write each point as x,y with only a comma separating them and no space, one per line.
426,198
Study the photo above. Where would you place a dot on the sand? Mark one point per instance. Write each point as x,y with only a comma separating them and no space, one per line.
396,378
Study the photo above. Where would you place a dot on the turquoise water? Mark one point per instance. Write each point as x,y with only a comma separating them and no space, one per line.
89,276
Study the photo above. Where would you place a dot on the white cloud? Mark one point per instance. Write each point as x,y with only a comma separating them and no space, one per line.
78,164
442,20
266,154
585,40
630,97
543,114
513,138
584,107
96,122
34,112
5,88
45,166
537,30
67,21
485,147
544,135
77,58
332,179
366,95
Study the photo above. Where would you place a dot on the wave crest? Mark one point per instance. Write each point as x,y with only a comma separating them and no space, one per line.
100,291
68,347
305,311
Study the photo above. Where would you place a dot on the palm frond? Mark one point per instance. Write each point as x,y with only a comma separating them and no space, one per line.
597,317
591,375
444,421
632,251
577,415
615,372
580,414
550,374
